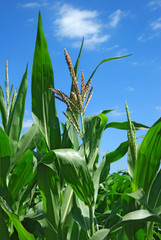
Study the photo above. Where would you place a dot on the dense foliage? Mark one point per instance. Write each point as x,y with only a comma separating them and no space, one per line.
51,185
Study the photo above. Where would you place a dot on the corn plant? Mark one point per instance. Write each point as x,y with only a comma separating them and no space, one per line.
17,165
51,184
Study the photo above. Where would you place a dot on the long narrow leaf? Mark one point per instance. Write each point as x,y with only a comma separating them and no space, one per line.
3,227
5,153
125,125
154,198
80,213
49,186
14,126
22,174
106,60
76,173
29,140
118,153
23,234
3,109
43,102
148,159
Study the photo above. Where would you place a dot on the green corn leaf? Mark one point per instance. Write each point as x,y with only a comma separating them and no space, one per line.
14,126
3,109
23,234
76,173
29,140
131,161
101,234
22,174
5,153
148,159
125,125
106,60
118,153
80,213
136,217
13,101
43,102
94,126
3,227
154,198
49,186
66,204
5,148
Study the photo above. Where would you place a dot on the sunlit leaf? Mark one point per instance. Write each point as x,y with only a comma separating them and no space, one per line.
43,101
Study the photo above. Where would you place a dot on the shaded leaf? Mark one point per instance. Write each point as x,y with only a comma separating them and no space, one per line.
23,234
49,185
5,152
22,174
80,213
3,227
3,109
28,141
76,173
154,198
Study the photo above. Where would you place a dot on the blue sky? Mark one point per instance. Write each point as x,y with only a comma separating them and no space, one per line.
111,28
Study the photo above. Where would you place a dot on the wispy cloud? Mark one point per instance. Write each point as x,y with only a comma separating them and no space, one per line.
129,89
117,113
146,37
33,4
29,5
156,25
74,23
27,123
111,48
122,52
115,18
154,30
154,5
158,108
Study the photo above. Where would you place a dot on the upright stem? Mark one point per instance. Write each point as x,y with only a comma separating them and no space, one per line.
91,220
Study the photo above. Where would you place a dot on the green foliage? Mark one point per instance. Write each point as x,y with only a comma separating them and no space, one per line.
43,104
54,187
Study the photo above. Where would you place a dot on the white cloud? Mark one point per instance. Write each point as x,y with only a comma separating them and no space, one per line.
130,89
115,18
33,4
27,123
122,52
147,37
158,108
154,4
30,20
111,48
74,23
29,5
153,31
117,113
156,25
